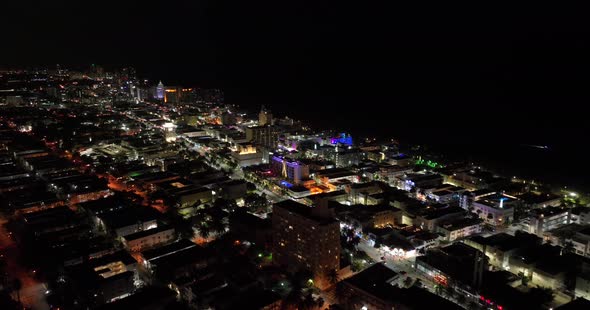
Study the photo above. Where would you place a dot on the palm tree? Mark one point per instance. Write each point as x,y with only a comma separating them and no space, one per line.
293,299
204,231
199,217
332,276
439,289
568,247
307,302
217,226
320,302
16,287
418,282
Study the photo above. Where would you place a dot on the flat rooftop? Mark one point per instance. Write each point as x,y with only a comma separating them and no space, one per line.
149,232
165,250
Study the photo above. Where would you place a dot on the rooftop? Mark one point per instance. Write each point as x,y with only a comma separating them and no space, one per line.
180,245
335,173
129,216
376,279
548,211
149,232
576,304
532,198
460,223
303,210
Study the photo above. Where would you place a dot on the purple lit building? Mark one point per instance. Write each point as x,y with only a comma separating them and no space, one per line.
291,170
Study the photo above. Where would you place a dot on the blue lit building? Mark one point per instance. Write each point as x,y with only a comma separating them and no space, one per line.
342,139
160,91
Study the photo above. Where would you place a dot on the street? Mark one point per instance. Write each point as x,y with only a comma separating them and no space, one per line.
399,265
32,293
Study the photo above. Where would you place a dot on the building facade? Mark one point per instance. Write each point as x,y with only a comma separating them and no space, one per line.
545,219
265,117
306,238
291,170
494,212
267,135
149,238
160,91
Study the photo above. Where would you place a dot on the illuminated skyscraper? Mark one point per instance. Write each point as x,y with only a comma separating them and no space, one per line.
160,91
264,117
305,237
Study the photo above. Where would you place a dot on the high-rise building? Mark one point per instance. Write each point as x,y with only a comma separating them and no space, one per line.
160,91
305,238
172,94
267,136
265,117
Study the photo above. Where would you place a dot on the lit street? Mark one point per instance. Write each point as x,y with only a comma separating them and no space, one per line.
32,293
397,264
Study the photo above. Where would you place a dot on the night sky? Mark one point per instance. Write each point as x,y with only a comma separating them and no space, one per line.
426,66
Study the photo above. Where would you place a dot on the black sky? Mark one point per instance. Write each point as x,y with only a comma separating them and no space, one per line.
447,63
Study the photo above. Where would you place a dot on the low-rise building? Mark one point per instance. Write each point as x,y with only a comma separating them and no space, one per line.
561,235
430,217
501,248
580,215
328,176
233,189
376,288
457,265
460,228
545,219
175,260
128,221
580,303
419,181
581,242
363,217
107,278
29,200
150,238
495,210
535,201
251,227
247,154
582,289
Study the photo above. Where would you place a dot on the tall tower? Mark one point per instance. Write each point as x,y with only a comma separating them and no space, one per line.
264,117
305,238
160,91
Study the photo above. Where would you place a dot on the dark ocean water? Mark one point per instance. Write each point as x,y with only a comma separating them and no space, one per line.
509,150
552,155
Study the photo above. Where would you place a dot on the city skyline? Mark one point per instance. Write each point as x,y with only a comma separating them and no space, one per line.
398,58
293,156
